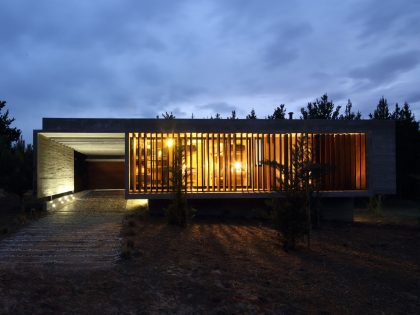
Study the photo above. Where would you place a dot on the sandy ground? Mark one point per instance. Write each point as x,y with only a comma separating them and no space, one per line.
232,267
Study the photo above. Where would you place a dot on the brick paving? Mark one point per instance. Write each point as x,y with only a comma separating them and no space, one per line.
85,233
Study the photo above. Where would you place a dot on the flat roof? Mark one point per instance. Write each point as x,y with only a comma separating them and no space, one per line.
122,125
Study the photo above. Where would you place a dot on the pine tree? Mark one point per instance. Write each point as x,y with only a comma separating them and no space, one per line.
233,116
251,115
349,114
382,110
8,134
168,116
279,112
321,109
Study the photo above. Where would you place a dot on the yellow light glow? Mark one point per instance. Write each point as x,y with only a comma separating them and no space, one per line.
170,143
159,153
238,166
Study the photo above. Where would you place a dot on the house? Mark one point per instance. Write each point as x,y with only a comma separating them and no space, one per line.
224,158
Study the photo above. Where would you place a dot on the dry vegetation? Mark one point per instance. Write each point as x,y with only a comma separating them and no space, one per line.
238,267
13,217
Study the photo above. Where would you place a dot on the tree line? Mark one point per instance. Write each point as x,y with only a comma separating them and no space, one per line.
324,108
16,158
407,133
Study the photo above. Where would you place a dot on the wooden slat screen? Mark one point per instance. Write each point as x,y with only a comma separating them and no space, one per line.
234,162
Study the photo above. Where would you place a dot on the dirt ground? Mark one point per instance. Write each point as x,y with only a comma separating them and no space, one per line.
11,215
232,267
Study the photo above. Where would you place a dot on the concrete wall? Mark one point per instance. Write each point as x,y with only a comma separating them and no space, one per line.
381,168
55,168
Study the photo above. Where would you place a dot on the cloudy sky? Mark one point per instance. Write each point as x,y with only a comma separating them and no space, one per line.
121,58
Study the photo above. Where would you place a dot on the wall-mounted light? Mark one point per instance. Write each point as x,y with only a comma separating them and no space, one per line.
170,143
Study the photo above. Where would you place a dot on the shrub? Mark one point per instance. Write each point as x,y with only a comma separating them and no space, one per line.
179,212
131,232
289,216
126,251
375,205
292,215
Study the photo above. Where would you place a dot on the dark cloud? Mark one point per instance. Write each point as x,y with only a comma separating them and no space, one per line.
387,68
382,17
218,107
126,58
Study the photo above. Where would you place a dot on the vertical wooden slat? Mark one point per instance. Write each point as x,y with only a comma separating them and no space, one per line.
224,153
286,159
247,161
348,162
338,162
325,159
255,160
263,166
233,161
257,165
280,161
156,155
330,160
228,168
273,170
353,162
363,169
139,162
208,163
130,146
212,163
219,164
152,163
241,161
203,164
145,164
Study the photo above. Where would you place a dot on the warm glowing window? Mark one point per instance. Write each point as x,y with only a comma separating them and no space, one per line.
234,162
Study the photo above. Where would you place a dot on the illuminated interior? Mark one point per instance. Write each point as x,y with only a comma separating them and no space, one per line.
234,162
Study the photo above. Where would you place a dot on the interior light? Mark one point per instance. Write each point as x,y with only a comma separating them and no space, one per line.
238,166
170,143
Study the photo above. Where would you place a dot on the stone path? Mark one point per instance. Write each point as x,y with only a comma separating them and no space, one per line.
85,233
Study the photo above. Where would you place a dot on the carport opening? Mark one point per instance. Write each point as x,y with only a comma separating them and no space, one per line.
74,162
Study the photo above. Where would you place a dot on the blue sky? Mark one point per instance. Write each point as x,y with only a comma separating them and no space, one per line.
121,58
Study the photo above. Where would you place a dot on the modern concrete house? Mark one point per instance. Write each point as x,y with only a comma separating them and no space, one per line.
224,157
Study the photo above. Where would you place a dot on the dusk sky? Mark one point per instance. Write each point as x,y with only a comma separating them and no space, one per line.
120,58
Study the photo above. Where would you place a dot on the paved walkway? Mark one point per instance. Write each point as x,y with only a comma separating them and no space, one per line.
85,233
